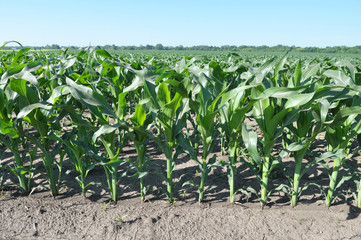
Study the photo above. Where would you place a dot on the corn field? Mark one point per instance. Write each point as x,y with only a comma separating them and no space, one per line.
84,108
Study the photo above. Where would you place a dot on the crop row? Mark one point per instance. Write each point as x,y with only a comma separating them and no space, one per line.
85,107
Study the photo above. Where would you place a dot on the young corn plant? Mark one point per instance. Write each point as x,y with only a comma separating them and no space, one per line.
12,138
167,103
118,73
24,173
205,107
273,111
80,151
235,105
47,137
12,132
141,121
41,116
113,138
161,90
308,120
304,132
340,131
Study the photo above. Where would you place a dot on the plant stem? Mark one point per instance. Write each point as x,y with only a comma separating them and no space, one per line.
232,173
359,196
333,180
82,179
114,187
297,176
170,179
203,180
142,195
141,150
21,176
264,183
50,172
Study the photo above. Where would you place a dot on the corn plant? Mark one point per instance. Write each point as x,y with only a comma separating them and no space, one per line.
10,137
141,121
275,109
111,162
235,105
117,74
170,121
24,85
80,153
88,105
311,119
205,106
339,135
305,127
272,113
12,133
112,136
304,133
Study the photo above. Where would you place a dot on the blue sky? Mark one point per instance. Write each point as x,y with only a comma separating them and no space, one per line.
317,23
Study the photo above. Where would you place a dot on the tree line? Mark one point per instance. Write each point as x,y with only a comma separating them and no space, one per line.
242,48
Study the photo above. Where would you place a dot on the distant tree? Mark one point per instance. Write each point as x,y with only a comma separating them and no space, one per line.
159,47
55,46
180,47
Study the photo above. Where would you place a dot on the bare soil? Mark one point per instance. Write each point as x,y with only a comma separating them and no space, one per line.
72,216
43,217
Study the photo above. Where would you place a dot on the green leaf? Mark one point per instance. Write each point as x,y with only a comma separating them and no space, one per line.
122,106
281,92
28,109
22,71
105,129
276,120
345,112
19,86
163,94
234,93
58,92
149,88
185,144
114,162
142,174
310,72
7,128
296,146
299,100
103,53
340,77
298,75
250,140
6,43
89,97
139,116
137,82
325,105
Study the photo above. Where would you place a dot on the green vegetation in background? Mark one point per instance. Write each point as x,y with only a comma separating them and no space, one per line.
205,48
